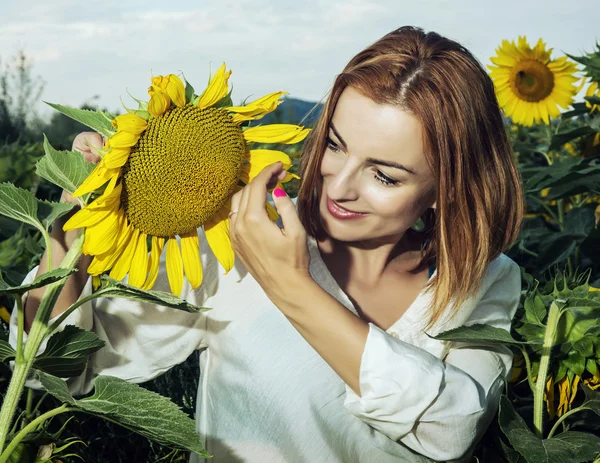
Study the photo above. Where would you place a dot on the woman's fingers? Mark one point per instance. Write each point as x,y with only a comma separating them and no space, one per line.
84,143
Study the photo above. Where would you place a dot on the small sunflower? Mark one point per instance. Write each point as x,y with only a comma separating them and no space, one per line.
592,90
529,85
170,168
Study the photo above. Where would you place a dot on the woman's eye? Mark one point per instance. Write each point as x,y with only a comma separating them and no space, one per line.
384,179
331,145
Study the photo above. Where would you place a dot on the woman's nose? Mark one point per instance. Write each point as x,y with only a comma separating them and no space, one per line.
344,184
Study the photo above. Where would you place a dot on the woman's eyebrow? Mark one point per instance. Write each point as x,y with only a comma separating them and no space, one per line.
381,162
332,127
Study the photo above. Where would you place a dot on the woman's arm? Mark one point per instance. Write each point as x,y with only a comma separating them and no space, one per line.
438,408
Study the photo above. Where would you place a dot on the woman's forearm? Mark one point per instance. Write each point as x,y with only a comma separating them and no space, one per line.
331,329
60,242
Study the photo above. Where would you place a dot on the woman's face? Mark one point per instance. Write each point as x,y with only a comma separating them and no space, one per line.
361,134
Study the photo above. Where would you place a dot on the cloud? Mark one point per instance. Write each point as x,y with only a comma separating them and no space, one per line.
110,46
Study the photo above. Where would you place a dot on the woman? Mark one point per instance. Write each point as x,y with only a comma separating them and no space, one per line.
315,348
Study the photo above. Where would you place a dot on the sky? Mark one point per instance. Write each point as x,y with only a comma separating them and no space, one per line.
97,51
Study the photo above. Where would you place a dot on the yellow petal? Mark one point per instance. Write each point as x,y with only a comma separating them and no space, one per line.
190,252
115,158
98,177
258,108
130,123
216,90
174,267
276,133
159,103
101,237
273,215
139,263
123,263
105,261
86,217
154,263
176,90
122,140
217,234
259,159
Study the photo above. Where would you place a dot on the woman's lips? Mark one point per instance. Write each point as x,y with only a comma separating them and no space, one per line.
340,212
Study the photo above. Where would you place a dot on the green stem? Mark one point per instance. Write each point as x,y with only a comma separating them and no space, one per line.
540,385
35,409
560,204
30,428
548,160
37,333
545,206
56,323
21,327
48,249
528,368
562,418
28,406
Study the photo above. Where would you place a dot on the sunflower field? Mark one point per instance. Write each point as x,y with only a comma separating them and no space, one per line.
550,411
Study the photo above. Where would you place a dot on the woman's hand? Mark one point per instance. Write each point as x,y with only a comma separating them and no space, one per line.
275,257
85,143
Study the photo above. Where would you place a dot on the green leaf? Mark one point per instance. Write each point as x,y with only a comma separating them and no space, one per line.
592,400
57,387
571,446
19,204
41,280
6,351
189,92
49,211
134,408
580,221
561,138
557,248
96,120
535,309
585,346
67,352
67,169
115,288
575,361
592,367
479,333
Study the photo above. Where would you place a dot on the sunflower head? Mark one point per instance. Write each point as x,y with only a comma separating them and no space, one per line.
529,85
170,168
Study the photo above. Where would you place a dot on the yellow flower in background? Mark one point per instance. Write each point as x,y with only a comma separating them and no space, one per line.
567,391
529,85
592,90
166,176
549,397
593,383
4,314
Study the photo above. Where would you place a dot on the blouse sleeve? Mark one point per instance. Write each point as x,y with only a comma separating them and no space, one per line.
439,408
142,340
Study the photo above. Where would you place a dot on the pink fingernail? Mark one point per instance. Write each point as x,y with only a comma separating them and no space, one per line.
279,192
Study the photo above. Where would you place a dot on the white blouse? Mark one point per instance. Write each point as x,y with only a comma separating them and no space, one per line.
266,396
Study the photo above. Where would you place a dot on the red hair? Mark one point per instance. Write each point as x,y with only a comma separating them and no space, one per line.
479,198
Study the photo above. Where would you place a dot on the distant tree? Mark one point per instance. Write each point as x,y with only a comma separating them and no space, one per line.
19,93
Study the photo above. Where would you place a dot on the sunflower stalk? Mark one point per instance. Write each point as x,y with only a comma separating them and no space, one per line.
549,338
31,427
38,332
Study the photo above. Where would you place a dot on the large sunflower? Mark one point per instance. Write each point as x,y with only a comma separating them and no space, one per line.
170,168
529,85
